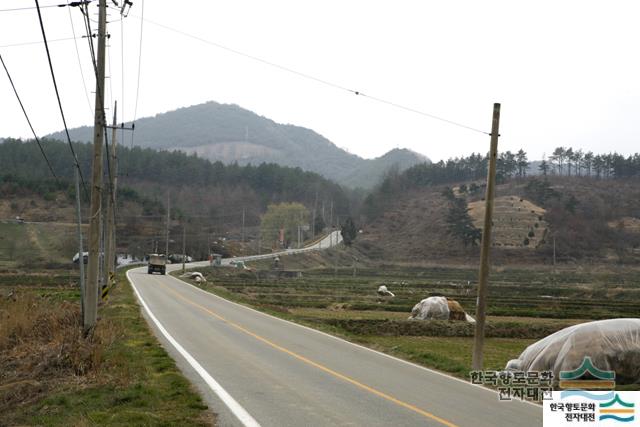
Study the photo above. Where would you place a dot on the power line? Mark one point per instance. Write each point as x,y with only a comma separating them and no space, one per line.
84,83
135,110
27,117
37,42
122,70
55,85
87,21
72,4
68,4
310,77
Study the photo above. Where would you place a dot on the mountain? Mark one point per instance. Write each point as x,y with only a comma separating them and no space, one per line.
229,133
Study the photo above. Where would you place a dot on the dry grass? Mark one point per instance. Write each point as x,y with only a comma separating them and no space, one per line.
53,374
42,343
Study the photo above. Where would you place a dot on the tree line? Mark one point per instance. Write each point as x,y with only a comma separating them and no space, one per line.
563,161
269,182
569,162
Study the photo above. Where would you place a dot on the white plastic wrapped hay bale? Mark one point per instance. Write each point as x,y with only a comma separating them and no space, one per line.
384,292
612,345
432,308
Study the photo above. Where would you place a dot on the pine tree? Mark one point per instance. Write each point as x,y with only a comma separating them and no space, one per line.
349,231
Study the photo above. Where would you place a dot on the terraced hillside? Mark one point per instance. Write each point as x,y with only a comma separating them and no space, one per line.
517,222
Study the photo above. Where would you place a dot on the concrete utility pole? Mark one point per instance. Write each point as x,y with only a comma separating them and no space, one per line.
166,248
110,232
91,294
477,362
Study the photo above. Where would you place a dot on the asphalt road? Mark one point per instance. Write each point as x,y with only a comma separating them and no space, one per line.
255,369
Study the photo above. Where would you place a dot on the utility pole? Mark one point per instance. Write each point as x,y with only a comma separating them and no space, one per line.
554,251
315,208
331,224
166,248
80,246
242,225
110,233
184,246
478,354
91,294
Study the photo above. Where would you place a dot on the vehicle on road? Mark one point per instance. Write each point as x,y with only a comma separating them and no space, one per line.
157,262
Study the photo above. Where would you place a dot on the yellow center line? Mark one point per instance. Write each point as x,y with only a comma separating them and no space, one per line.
317,365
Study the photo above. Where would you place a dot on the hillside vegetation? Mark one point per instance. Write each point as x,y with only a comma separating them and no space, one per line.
587,204
208,200
231,134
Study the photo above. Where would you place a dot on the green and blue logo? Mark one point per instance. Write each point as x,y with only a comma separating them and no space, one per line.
618,410
587,376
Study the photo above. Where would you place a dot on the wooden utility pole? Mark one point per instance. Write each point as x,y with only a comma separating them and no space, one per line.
166,248
110,232
331,216
80,246
313,224
478,354
242,225
184,246
99,124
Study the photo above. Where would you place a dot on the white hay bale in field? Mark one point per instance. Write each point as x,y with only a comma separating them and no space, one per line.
612,345
439,308
194,275
384,292
432,308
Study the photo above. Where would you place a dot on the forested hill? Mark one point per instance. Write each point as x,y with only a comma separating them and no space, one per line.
203,186
588,204
229,133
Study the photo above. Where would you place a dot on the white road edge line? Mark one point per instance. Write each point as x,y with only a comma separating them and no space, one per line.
243,416
397,359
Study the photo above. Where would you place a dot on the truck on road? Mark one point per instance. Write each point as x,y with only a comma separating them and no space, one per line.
157,262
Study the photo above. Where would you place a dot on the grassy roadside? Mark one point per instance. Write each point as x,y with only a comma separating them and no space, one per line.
120,375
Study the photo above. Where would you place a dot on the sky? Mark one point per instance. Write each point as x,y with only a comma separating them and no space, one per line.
565,72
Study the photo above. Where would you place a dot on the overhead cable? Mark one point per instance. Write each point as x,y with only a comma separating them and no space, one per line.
68,4
312,77
55,85
27,117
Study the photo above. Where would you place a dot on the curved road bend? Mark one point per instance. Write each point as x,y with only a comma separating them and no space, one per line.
255,369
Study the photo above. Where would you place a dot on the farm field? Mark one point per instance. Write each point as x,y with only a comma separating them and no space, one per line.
525,304
37,245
